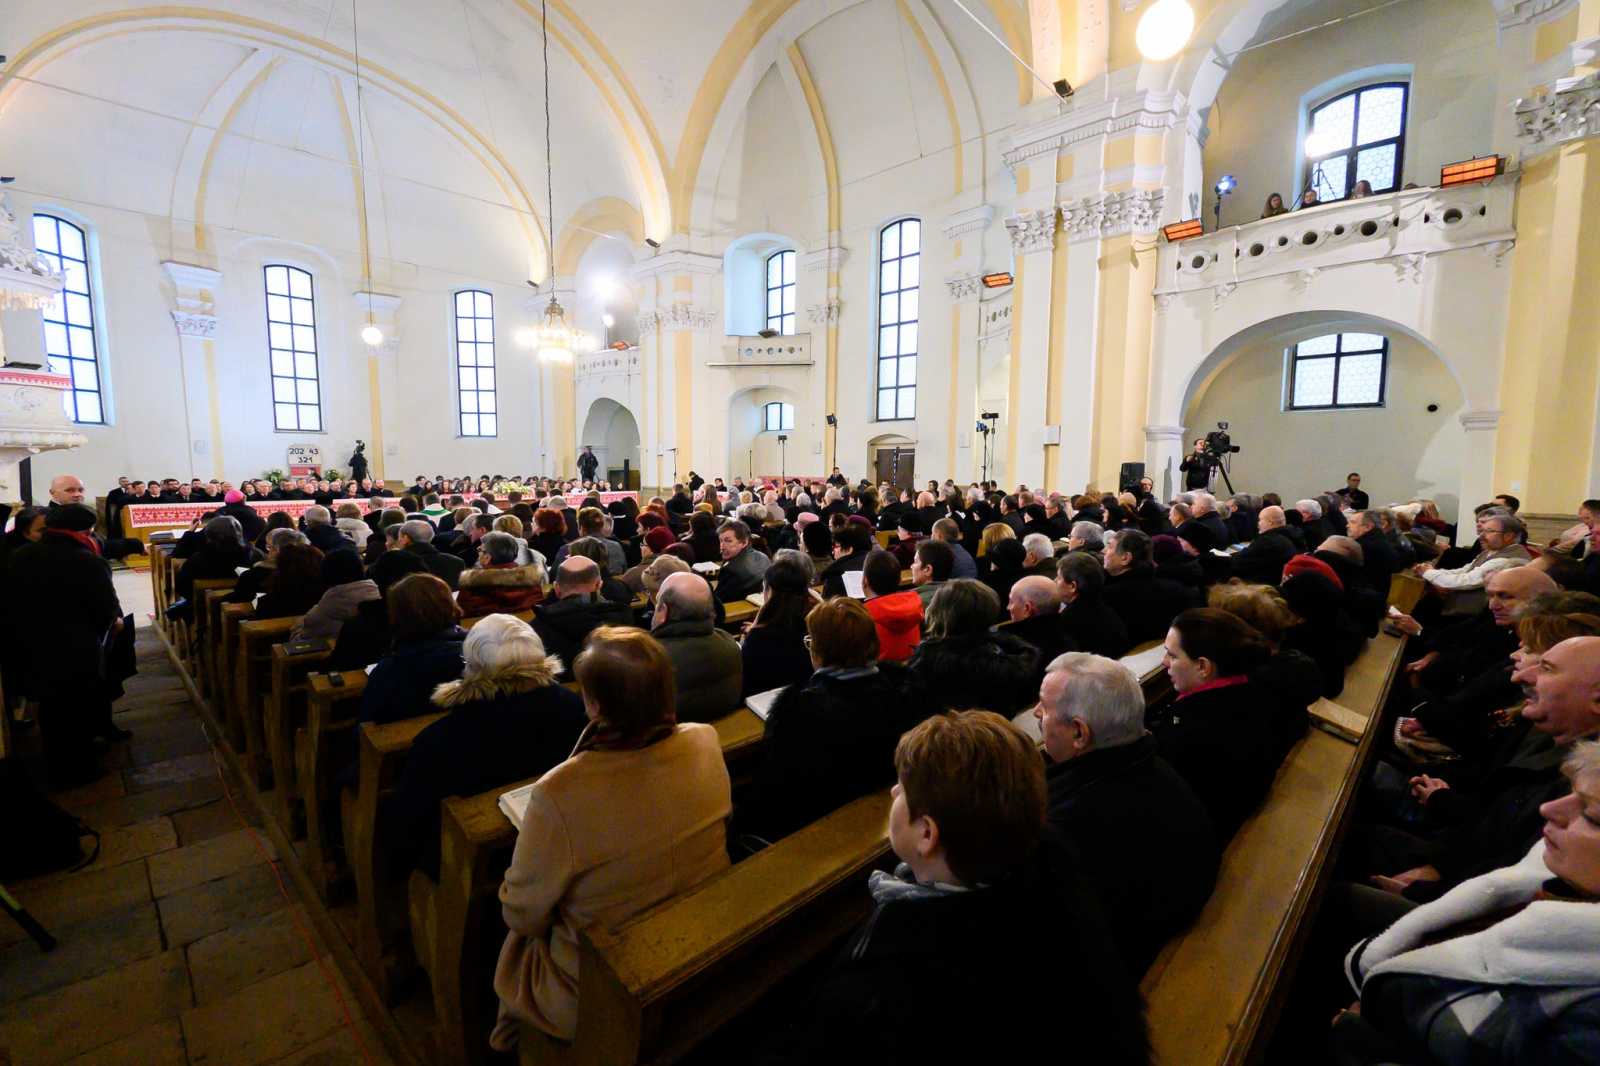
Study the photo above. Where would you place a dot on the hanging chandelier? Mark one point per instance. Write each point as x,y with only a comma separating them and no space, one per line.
558,341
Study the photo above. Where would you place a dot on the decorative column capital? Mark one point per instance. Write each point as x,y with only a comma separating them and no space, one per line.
194,290
194,325
1033,231
1481,420
964,288
677,317
1112,214
1155,434
1569,111
825,313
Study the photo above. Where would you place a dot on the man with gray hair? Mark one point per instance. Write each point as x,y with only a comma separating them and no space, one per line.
1086,536
317,522
416,537
706,662
1111,795
1040,557
1205,512
1312,524
1500,535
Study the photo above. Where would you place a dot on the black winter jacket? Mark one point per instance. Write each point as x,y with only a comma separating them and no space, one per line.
992,671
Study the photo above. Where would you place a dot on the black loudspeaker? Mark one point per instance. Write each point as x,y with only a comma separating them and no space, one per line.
1130,476
832,421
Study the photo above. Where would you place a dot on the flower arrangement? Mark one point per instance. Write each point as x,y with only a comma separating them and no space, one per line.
506,488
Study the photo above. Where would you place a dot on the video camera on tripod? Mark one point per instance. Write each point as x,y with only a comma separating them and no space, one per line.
1218,447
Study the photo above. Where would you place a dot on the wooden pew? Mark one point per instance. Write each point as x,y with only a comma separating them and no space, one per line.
323,749
226,701
284,712
252,675
653,989
1406,591
205,591
1213,993
455,927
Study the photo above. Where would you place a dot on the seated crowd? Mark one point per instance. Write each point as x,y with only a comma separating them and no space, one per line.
910,636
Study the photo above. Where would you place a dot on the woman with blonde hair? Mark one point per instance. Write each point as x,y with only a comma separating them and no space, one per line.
633,818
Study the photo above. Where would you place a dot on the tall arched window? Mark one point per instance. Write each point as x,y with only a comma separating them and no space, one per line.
780,292
899,283
1363,138
69,333
292,337
475,363
777,417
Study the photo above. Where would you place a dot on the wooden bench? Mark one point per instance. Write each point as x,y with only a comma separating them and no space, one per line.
207,592
1213,993
282,714
226,703
651,990
252,676
1406,591
455,923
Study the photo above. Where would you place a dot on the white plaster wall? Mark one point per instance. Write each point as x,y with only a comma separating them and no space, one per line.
1401,449
1257,127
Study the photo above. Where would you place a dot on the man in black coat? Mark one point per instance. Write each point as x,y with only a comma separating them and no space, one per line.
1205,513
1261,561
70,615
1110,793
1378,559
577,611
1093,627
323,534
850,547
416,537
1313,525
1147,604
249,518
1035,612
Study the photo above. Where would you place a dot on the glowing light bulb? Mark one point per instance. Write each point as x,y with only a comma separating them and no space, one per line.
372,335
608,319
1164,29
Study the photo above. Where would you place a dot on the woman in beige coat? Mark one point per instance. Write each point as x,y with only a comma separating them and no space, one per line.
634,817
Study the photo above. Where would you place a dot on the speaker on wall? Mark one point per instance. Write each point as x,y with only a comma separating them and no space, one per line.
1130,476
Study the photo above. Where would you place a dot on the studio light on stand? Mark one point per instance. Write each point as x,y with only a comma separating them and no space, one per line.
1225,185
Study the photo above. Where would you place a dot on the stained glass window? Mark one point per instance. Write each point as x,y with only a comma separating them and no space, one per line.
1362,135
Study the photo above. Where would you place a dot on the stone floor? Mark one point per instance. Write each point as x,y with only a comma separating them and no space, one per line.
179,944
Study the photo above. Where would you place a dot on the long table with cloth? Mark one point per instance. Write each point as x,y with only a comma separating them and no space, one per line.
139,520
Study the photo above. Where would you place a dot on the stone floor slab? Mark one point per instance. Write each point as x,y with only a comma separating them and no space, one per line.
211,820
159,1045
75,899
140,806
340,1048
192,913
83,949
170,771
223,963
106,788
167,740
183,867
266,1021
55,1026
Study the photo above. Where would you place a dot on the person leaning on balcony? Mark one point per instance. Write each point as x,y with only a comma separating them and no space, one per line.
1274,206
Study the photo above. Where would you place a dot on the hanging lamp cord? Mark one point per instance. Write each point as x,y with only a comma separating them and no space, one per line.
361,162
549,168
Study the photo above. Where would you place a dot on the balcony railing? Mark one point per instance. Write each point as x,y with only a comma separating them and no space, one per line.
1404,227
783,350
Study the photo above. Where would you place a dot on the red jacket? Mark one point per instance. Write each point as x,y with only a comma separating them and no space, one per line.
899,620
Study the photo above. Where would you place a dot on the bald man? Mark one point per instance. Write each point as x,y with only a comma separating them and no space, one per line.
1035,610
65,489
1261,561
1466,675
577,611
706,662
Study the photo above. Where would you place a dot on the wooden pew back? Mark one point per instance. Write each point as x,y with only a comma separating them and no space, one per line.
252,683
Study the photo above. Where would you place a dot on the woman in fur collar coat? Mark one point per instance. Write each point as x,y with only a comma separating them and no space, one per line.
507,719
1504,968
497,583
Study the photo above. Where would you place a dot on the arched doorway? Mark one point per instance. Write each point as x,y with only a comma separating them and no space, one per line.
612,431
892,458
1410,443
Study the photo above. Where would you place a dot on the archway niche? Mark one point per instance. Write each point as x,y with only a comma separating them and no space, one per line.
1402,449
612,431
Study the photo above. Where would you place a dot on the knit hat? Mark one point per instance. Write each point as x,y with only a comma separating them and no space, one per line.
342,566
861,520
1198,535
804,519
911,522
233,496
1165,547
1306,564
659,538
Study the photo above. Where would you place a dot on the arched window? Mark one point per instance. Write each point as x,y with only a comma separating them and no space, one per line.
899,282
475,363
780,292
1362,136
69,334
1338,370
292,337
777,417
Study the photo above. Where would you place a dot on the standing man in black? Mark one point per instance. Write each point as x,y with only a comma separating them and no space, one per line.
588,463
358,462
1197,467
1352,492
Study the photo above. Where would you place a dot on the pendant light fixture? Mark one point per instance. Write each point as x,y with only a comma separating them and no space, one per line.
1164,29
371,335
557,340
